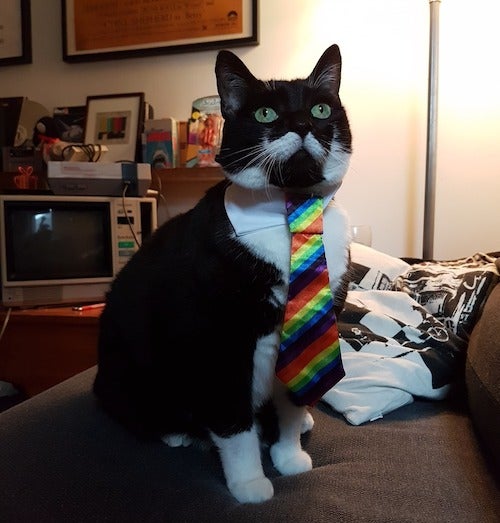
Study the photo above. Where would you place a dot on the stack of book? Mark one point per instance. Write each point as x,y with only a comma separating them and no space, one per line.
168,143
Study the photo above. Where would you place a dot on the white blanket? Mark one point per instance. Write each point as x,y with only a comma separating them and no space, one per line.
404,332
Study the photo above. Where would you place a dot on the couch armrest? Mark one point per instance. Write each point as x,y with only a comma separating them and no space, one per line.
482,375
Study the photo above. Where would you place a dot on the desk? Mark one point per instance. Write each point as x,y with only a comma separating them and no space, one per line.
44,346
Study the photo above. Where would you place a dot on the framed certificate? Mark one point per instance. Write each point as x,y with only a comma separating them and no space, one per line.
102,30
15,32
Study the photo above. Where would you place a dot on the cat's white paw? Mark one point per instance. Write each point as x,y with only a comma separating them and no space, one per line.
290,460
254,491
307,423
177,440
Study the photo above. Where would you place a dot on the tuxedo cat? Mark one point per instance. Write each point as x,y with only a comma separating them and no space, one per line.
190,332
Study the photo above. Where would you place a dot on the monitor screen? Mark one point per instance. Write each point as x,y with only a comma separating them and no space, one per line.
57,240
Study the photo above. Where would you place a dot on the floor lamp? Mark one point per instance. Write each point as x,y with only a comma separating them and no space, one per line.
431,149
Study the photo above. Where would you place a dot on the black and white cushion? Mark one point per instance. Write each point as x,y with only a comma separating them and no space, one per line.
402,336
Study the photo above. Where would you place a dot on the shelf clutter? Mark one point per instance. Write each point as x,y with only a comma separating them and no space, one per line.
66,135
159,177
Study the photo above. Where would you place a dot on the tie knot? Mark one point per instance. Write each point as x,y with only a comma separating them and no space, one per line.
305,214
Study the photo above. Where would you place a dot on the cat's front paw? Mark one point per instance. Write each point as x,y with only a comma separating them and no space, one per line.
177,440
290,460
254,491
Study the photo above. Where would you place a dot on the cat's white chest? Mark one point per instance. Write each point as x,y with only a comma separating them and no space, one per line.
273,245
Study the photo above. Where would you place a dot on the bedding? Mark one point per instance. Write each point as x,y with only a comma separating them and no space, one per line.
404,330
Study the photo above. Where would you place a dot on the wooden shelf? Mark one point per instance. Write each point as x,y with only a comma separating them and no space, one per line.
159,177
64,314
190,175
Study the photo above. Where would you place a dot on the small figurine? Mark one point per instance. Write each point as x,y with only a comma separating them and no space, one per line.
45,131
45,135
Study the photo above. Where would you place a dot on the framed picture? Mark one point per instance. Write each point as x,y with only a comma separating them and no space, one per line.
98,30
15,32
116,121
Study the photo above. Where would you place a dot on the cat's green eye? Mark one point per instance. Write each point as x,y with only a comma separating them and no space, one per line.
321,111
265,115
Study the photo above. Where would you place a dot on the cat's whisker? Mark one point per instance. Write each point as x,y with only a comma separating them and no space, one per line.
250,153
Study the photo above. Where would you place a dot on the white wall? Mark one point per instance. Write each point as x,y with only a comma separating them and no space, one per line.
384,45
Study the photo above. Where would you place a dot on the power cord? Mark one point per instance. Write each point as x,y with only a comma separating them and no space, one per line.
91,152
5,322
126,184
160,188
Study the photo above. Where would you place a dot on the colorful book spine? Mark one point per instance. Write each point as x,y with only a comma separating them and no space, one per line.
160,146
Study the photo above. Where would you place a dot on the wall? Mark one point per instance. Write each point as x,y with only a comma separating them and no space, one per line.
384,45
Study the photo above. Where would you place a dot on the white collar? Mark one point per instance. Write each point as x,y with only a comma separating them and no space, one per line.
250,210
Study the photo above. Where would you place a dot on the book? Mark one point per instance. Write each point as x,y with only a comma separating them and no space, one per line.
182,136
160,146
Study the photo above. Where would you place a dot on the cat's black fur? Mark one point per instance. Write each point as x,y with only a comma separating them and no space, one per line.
190,331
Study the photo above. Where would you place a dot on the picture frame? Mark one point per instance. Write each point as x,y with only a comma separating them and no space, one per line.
94,30
15,32
116,121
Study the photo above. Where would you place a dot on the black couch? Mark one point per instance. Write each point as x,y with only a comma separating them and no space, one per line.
63,460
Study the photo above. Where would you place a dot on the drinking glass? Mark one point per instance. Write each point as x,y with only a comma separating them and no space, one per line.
362,234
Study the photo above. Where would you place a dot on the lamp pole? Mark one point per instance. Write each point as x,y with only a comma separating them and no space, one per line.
431,150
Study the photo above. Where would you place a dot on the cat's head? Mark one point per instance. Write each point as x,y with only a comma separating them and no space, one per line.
292,134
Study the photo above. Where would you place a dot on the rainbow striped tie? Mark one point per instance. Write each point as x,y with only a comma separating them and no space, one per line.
309,361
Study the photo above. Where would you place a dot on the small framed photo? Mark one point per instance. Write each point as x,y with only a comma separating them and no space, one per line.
116,121
15,32
98,30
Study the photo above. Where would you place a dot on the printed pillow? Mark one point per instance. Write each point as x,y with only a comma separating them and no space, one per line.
454,292
392,350
400,345
372,269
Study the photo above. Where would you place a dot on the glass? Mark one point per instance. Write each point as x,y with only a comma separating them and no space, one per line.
362,234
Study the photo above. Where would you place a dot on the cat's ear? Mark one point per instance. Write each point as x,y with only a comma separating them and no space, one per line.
233,81
327,71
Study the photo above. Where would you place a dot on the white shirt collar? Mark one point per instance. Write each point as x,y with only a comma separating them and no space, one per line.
250,210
